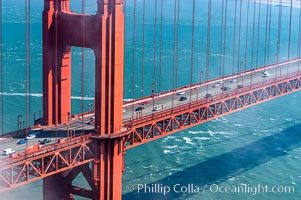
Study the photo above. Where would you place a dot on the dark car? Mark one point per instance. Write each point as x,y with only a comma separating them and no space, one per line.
139,108
183,98
226,88
240,86
45,141
22,141
208,95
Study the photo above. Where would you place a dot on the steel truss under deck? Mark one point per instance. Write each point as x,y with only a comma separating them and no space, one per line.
155,126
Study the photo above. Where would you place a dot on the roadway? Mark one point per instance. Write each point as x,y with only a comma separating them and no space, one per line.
163,101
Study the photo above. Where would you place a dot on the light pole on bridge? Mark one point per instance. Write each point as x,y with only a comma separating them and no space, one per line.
19,123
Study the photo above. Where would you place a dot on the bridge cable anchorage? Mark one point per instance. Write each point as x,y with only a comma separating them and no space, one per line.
161,41
208,42
1,72
258,34
143,48
221,40
133,61
83,69
247,34
289,36
234,40
192,45
299,36
27,61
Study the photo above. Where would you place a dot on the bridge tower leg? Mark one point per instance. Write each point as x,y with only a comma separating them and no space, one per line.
104,33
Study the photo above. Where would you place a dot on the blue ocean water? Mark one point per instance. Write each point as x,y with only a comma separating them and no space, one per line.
259,146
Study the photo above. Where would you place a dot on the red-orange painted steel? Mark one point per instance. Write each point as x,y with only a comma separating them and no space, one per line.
164,123
104,33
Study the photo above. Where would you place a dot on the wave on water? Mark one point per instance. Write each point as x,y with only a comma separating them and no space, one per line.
188,140
41,95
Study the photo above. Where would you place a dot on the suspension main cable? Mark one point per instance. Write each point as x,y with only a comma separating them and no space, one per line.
239,31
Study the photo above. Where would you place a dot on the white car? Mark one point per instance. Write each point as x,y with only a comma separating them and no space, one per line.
220,82
233,81
30,136
266,74
156,108
123,110
215,85
180,93
8,151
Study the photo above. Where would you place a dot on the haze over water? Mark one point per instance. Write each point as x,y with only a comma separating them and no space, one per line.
259,146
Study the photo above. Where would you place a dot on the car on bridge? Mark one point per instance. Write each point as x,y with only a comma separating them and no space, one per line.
233,81
180,93
208,95
144,103
216,85
183,98
225,88
265,73
140,108
8,151
22,141
156,108
30,136
45,141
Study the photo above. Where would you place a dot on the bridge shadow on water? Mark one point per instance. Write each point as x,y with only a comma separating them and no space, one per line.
218,169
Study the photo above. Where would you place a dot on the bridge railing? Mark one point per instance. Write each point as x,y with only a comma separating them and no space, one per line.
193,104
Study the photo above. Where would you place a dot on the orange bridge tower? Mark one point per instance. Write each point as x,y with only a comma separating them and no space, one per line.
104,33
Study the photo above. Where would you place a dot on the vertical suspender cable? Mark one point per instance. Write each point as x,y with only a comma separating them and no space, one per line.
208,42
225,39
174,51
289,36
221,40
1,72
253,35
27,51
192,45
239,31
83,67
133,57
269,27
299,36
161,24
258,33
234,39
247,31
143,37
155,42
55,73
177,44
266,33
279,30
